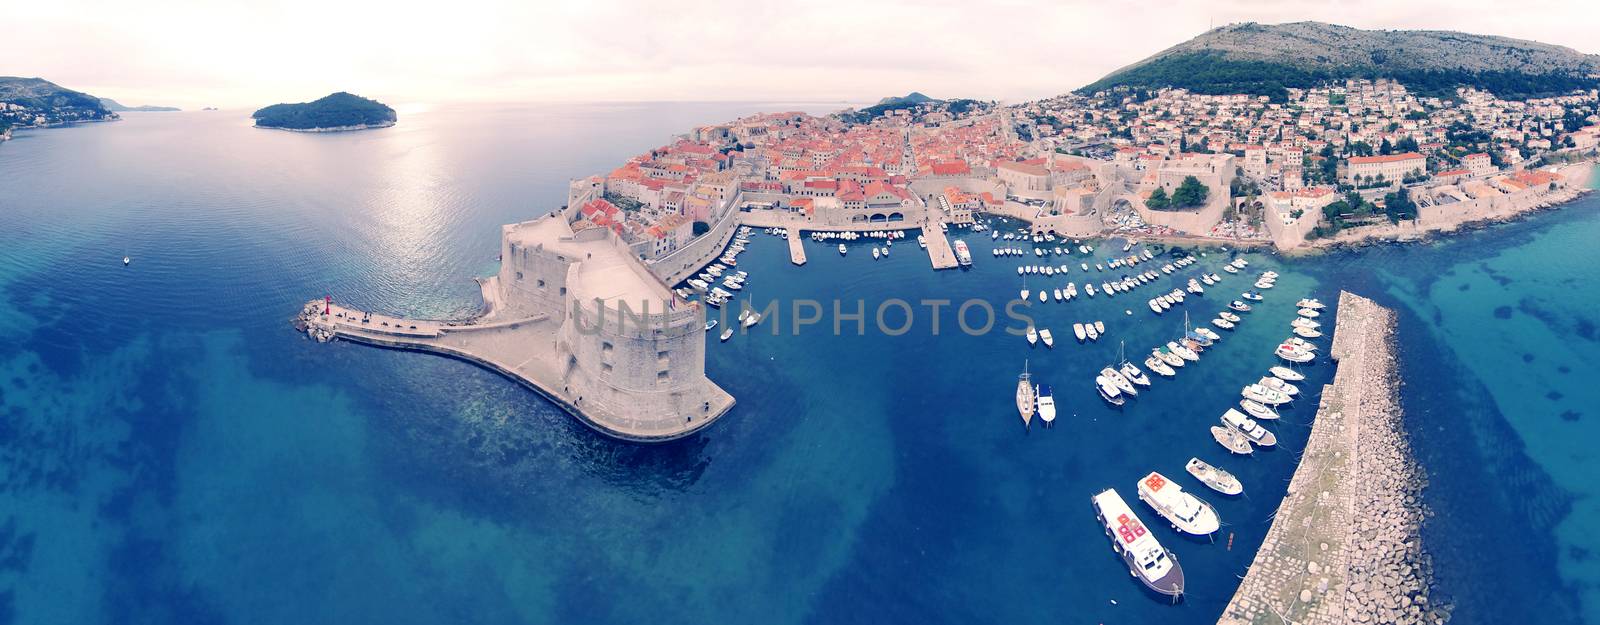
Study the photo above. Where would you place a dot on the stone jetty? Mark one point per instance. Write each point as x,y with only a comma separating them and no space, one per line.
1344,546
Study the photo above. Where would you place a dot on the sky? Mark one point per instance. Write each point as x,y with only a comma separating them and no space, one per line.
231,54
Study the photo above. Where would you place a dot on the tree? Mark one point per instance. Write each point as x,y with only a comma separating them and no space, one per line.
1158,199
1384,148
1398,206
1190,193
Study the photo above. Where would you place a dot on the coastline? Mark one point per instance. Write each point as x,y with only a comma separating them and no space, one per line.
330,128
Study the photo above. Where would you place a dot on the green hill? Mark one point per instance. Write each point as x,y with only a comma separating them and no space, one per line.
1262,59
338,111
30,99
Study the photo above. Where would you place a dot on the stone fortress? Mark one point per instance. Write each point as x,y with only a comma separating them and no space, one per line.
574,315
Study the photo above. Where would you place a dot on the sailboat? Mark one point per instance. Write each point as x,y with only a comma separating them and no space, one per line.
1027,395
1024,296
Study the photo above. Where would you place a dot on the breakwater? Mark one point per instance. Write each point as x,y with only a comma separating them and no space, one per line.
1344,545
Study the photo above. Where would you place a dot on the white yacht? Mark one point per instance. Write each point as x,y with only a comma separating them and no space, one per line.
1286,374
1188,513
1218,479
1257,434
1308,313
1155,364
876,254
1122,383
1279,385
1310,303
1108,390
1134,375
1231,439
1154,566
1092,332
1044,335
1222,323
1257,410
1307,333
1033,336
1077,330
1290,353
1027,395
1182,352
1046,401
841,249
963,255
1264,395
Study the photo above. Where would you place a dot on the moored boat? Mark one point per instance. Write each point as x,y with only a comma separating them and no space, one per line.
1046,402
1257,410
1026,396
1149,562
1286,374
1213,477
1108,390
1161,368
1231,439
1264,395
1258,435
1188,513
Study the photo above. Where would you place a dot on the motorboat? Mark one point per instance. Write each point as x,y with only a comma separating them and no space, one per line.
1116,377
1198,339
1310,303
1228,316
751,319
1279,385
1263,395
1182,352
1301,344
1134,375
1155,364
1044,335
1258,435
1077,330
1206,332
1252,296
1188,513
1167,356
1109,390
876,254
1308,313
841,249
1239,306
1046,402
1027,395
1307,333
1092,332
1152,564
1222,323
1056,294
1286,374
1291,354
1033,336
1231,439
1213,477
1302,322
1257,410
727,333
711,324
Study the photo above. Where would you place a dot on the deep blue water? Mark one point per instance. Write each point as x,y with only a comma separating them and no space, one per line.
171,451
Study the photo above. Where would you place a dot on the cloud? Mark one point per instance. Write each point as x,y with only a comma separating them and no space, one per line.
195,53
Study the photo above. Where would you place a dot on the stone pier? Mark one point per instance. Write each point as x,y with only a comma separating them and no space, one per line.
1344,547
797,252
940,254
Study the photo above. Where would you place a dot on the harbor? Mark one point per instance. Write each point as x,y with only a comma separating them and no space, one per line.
1344,544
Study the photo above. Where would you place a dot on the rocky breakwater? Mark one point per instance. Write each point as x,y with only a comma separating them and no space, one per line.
1345,546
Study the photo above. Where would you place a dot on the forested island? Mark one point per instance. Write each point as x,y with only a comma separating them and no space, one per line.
336,112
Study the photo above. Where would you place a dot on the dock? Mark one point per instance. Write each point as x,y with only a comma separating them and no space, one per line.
940,254
797,252
1344,545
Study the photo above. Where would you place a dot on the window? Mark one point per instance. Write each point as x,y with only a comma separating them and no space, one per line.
519,276
541,282
606,348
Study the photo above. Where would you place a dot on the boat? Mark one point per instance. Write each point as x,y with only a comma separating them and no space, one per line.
1044,335
1168,357
922,241
1257,410
1134,375
1091,331
1279,386
1286,374
841,249
1027,395
1116,377
1239,306
876,254
886,250
1231,439
1153,565
1308,313
1291,354
1222,323
126,260
1077,330
1043,297
1301,344
1188,513
727,333
1108,390
1023,294
1046,401
711,324
1228,316
1251,295
1056,294
963,255
1258,435
1100,326
1213,477
1033,336
1310,303
1206,332
1307,333
1302,322
1263,395
1182,352
752,319
1155,364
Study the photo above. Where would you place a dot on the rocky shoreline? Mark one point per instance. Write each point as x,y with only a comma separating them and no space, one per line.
1345,545
331,128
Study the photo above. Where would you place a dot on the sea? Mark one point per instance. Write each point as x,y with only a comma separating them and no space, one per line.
172,450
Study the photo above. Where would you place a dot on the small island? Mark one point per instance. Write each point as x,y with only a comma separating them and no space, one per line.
337,112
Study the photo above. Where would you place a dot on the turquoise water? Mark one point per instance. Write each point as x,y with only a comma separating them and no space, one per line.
173,451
